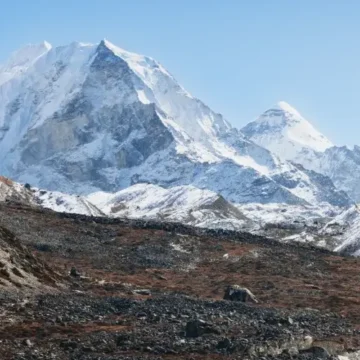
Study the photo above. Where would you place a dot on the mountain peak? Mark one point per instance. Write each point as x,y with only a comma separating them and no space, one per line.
284,131
46,45
124,54
28,53
281,112
21,59
107,43
287,108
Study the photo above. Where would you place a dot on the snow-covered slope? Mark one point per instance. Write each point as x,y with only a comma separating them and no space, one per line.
10,190
185,204
342,165
61,202
285,132
13,191
82,118
284,214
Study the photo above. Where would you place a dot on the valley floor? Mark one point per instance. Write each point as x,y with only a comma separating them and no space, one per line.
151,290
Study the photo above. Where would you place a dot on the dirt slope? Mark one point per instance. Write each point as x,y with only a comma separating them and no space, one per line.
154,291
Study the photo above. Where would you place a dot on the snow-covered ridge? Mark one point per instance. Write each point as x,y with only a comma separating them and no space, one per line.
203,208
185,204
60,202
187,118
94,118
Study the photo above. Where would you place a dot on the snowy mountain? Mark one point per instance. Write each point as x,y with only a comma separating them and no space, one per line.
83,118
286,133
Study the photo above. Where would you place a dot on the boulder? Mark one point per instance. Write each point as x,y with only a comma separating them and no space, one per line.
74,272
142,292
238,293
196,328
317,352
224,344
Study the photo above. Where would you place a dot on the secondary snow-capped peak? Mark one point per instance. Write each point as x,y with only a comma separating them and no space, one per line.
284,131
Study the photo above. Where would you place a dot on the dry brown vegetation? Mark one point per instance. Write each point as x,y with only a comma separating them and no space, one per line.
116,258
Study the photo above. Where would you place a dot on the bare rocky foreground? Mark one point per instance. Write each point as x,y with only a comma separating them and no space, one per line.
119,289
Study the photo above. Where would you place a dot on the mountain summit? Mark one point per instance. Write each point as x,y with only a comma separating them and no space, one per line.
22,59
283,130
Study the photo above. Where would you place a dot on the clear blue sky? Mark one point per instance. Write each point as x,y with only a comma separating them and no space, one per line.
238,56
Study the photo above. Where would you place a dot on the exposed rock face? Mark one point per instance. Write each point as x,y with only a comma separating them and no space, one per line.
329,194
102,125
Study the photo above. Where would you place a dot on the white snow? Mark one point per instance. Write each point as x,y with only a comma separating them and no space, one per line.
283,130
208,174
346,228
186,204
21,60
283,213
61,202
350,356
282,105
